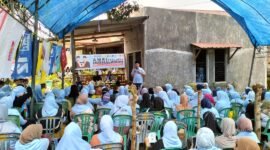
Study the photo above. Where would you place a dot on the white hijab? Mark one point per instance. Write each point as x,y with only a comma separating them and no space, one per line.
205,139
72,139
50,107
170,138
107,134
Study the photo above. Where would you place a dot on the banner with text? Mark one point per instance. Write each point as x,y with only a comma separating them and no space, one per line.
23,63
100,61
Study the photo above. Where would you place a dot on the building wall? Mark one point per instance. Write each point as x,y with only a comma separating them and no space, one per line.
174,30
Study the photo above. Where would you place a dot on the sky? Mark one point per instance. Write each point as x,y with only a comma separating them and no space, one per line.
180,4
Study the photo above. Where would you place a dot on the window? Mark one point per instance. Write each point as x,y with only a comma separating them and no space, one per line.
220,65
201,67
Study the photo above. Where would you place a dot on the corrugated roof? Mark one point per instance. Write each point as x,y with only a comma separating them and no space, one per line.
215,45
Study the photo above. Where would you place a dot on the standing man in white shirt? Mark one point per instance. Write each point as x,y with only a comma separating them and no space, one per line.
138,74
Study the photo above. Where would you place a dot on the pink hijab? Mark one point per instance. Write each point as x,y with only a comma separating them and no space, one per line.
210,98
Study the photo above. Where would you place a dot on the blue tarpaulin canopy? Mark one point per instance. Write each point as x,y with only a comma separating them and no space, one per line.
62,16
253,16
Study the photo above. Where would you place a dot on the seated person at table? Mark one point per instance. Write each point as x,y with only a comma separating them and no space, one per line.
107,134
30,139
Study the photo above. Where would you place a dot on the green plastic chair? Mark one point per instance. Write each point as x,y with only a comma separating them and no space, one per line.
223,113
113,146
14,119
52,124
172,149
170,111
191,123
219,121
87,124
265,131
101,112
65,106
144,122
236,107
159,119
37,107
121,124
8,140
182,125
184,114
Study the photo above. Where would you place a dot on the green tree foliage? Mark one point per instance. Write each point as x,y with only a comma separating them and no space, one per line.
123,11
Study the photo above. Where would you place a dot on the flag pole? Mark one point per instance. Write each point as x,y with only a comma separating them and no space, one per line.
34,54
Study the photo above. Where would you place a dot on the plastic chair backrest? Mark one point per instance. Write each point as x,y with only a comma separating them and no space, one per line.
236,107
8,140
170,111
172,149
185,113
64,106
266,130
223,113
14,119
113,146
37,107
86,123
102,111
191,123
51,124
144,122
182,125
122,122
159,119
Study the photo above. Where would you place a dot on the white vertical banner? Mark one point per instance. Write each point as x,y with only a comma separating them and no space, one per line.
11,32
46,51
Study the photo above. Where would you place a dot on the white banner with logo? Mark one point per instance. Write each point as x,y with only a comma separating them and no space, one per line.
100,61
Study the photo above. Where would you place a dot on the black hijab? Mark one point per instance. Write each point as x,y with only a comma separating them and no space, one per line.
210,122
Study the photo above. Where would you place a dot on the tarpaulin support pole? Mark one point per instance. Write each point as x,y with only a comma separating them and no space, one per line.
251,68
73,55
63,69
35,55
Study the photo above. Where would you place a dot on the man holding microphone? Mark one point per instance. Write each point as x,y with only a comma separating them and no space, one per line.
138,73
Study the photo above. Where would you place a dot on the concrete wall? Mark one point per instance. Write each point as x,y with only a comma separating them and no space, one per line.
171,66
174,30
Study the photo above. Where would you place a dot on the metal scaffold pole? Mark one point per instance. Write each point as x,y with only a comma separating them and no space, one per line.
63,69
73,55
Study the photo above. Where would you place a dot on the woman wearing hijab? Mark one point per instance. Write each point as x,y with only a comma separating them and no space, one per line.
121,106
105,100
236,98
5,125
227,139
158,104
230,90
169,139
246,129
30,139
246,144
205,139
145,105
183,105
223,101
173,96
82,105
210,98
168,87
38,93
107,134
167,102
121,90
206,107
72,139
206,89
210,122
267,96
50,109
